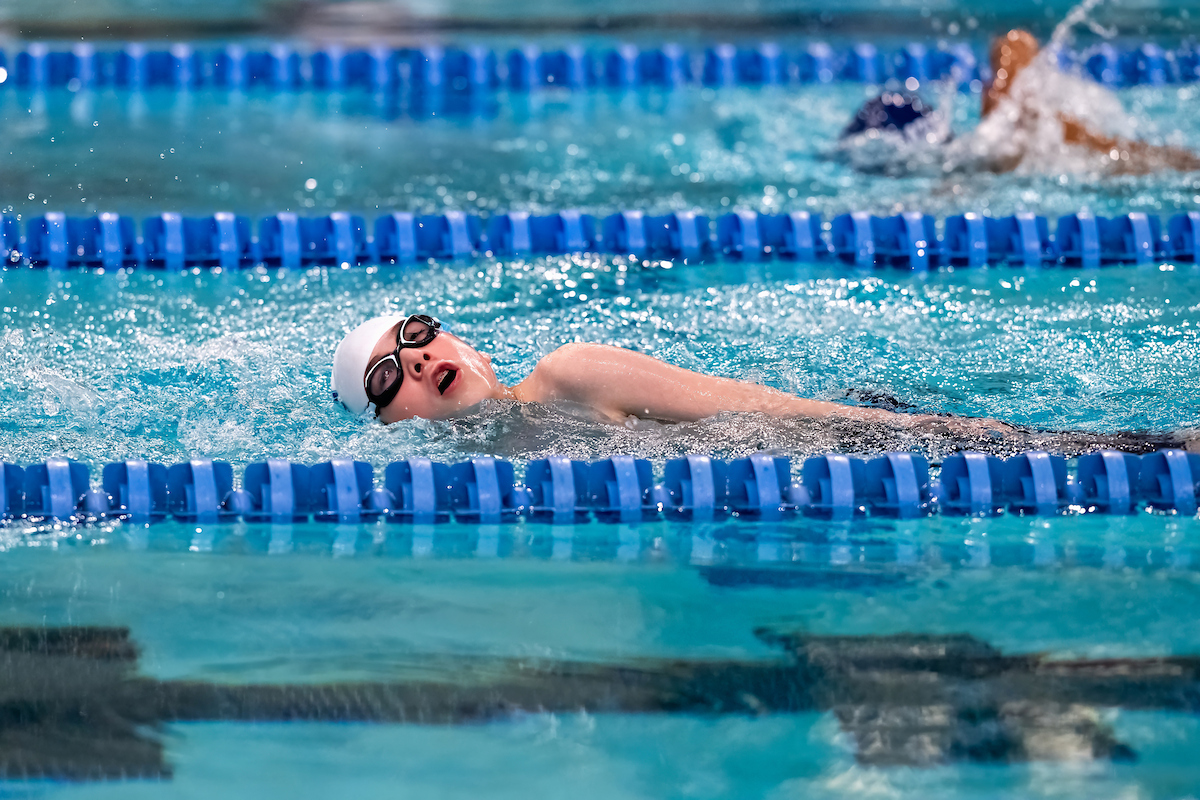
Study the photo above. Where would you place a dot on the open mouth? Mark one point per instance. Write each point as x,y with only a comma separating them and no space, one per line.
446,379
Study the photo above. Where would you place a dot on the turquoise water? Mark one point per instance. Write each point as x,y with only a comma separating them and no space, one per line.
684,149
237,614
233,366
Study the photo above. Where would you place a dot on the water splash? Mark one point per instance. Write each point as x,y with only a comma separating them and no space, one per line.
918,148
1024,132
1080,14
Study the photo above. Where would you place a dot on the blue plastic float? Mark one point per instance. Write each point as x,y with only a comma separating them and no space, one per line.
281,66
431,68
559,490
909,240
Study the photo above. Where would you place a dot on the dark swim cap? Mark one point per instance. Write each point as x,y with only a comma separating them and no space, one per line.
891,111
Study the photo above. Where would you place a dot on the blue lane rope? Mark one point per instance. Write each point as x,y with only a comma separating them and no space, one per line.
622,489
909,240
474,69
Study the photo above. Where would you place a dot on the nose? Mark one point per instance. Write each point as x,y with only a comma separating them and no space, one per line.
413,362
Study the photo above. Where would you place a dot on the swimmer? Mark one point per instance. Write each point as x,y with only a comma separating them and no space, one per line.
1034,117
405,367
1019,95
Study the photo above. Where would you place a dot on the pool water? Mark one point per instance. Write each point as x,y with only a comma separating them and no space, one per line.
241,359
317,613
233,366
769,149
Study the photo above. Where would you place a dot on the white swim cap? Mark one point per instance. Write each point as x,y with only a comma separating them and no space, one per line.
350,362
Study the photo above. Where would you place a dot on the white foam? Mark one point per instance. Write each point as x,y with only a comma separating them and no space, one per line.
915,149
1024,132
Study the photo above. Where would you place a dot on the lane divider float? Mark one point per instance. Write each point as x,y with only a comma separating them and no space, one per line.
282,67
910,240
621,489
474,69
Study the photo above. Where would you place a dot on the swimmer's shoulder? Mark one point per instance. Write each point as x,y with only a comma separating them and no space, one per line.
567,373
571,362
568,355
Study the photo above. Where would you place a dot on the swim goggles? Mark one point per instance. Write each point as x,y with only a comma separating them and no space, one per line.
385,377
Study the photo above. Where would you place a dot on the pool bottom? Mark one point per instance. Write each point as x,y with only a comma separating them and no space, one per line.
289,603
606,756
618,756
402,607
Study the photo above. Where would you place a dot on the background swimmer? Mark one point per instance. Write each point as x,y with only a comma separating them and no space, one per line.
1024,77
406,367
1035,118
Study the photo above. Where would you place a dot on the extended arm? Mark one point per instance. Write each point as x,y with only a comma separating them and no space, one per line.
619,383
1128,156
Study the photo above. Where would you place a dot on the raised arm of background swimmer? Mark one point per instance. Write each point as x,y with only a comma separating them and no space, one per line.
1009,55
1012,53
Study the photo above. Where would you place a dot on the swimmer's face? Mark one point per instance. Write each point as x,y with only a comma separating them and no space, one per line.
442,379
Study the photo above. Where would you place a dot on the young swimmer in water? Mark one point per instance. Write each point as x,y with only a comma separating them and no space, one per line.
1020,104
405,367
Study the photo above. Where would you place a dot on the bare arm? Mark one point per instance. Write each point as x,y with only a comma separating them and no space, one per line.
1128,156
620,383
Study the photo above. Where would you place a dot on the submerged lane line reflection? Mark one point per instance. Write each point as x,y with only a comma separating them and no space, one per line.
74,708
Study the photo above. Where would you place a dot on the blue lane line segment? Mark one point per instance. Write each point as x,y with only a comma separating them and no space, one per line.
909,240
622,489
473,69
